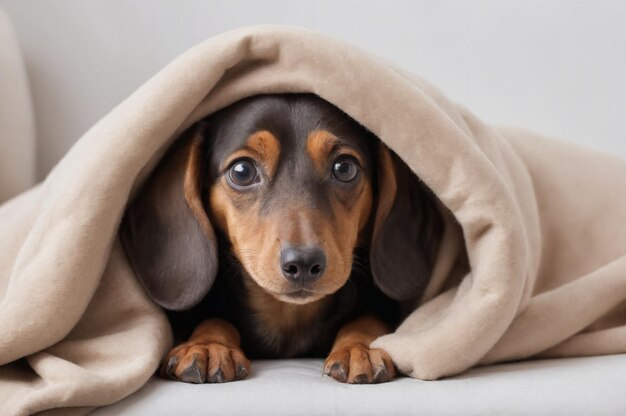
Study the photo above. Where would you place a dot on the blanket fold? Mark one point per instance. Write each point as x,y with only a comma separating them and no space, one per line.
539,222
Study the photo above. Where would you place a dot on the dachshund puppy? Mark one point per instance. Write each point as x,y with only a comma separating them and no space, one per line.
306,229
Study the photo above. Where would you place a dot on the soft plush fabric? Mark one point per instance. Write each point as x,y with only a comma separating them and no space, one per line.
574,386
541,221
17,127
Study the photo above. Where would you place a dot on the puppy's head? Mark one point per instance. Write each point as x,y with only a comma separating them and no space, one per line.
294,185
290,185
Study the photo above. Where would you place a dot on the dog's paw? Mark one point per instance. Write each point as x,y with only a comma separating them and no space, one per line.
205,363
357,364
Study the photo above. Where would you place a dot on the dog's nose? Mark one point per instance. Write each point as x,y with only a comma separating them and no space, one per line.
302,264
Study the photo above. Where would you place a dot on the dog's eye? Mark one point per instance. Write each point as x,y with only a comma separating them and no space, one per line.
242,173
345,169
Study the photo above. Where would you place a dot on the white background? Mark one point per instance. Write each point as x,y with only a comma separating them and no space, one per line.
554,66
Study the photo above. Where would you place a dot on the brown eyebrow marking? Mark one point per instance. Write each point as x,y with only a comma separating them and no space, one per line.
321,144
262,146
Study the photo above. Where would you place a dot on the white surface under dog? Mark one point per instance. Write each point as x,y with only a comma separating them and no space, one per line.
575,386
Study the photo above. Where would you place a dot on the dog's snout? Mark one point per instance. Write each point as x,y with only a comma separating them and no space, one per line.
302,264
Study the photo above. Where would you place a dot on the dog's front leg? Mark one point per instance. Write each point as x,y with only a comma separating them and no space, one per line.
352,361
211,355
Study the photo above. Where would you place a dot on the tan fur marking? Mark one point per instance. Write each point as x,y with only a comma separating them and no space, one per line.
221,206
361,331
216,330
320,144
261,146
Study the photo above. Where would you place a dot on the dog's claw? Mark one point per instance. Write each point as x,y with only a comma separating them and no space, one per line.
192,374
171,366
242,372
380,375
331,367
360,379
357,364
217,377
337,372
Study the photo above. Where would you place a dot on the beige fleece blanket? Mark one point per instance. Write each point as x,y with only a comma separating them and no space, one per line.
543,223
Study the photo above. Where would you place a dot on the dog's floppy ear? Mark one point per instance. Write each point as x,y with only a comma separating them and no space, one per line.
407,229
166,233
